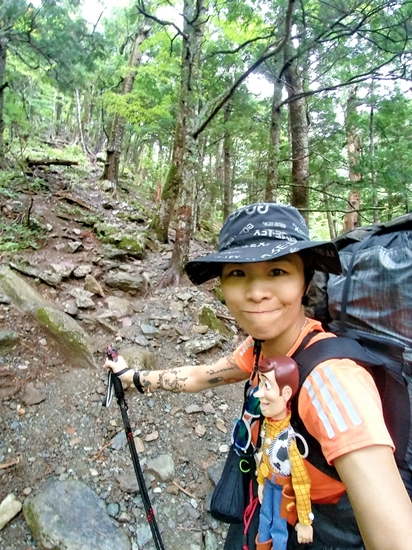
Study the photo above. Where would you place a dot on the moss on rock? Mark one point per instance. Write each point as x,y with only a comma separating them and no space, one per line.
208,317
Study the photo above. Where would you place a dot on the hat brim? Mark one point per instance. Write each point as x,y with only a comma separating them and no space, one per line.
321,255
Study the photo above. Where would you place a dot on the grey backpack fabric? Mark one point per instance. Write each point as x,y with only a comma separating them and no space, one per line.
371,302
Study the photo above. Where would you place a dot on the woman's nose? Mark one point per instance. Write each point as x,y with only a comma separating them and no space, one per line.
257,290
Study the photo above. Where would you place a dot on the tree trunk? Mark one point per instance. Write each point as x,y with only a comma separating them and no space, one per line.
227,181
372,159
354,146
185,154
3,85
298,122
79,123
329,217
272,175
114,147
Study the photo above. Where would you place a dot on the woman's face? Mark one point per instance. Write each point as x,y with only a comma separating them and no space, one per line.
266,299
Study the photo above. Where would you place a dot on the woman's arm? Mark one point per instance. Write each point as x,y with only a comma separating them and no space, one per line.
379,499
190,379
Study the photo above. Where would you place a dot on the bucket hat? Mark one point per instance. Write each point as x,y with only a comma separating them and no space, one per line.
260,232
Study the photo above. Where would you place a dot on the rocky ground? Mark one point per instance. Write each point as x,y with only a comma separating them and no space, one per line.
53,425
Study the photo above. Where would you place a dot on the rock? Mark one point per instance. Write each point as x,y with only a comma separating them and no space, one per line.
208,408
32,396
152,436
68,335
141,340
178,539
193,408
128,482
215,471
56,517
162,467
184,296
149,330
201,344
113,509
119,441
200,430
8,339
52,279
64,269
9,508
134,245
210,541
200,329
138,358
143,535
70,308
208,317
82,270
220,425
73,246
124,281
83,298
176,309
93,286
120,306
106,185
138,441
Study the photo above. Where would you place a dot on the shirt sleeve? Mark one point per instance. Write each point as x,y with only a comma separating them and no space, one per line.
301,485
341,407
243,355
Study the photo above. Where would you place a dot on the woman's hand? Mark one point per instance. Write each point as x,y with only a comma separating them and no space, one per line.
116,366
119,366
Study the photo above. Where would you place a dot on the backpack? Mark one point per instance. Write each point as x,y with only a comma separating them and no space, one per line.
369,306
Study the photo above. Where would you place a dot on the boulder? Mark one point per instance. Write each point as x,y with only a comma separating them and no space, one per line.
68,515
67,334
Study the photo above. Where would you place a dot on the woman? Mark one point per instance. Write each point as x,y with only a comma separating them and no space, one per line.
265,261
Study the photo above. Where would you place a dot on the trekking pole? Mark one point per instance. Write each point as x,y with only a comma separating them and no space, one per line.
115,381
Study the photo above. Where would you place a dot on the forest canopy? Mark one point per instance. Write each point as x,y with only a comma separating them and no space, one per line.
207,105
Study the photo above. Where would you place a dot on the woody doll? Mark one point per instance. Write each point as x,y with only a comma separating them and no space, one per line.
284,484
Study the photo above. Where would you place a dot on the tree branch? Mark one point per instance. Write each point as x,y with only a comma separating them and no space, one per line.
243,45
357,79
252,68
141,9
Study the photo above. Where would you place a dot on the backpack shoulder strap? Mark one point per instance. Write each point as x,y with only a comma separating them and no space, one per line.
329,348
308,358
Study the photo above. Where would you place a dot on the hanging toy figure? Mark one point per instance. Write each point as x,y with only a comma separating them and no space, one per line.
284,484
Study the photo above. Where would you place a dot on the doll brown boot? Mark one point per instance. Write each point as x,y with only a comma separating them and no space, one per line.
263,545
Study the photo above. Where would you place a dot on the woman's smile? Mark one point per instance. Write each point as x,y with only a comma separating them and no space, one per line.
265,299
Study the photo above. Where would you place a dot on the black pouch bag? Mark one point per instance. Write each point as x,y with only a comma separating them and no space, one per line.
232,493
230,497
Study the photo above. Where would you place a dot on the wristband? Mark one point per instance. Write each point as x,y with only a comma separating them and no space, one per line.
136,382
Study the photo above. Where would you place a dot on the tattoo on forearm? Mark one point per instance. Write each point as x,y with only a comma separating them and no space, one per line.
214,381
145,383
170,381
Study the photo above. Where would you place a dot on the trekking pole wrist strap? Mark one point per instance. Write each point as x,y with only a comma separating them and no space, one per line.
136,381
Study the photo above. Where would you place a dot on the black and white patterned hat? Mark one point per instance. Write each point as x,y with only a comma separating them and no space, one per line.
260,232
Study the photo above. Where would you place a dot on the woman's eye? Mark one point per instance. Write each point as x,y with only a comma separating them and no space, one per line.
237,273
276,272
268,385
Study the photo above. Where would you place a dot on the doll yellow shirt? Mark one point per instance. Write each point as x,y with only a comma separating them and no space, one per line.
297,470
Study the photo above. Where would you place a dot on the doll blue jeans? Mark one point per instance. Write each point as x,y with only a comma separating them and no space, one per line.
271,525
